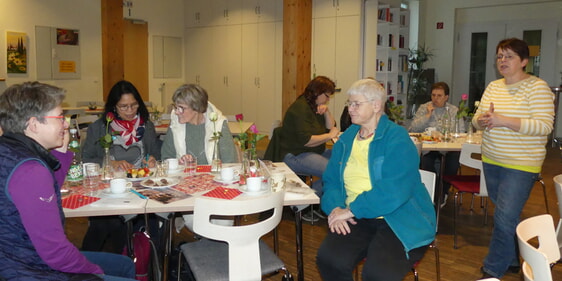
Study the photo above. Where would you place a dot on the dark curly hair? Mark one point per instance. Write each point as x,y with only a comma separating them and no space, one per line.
316,87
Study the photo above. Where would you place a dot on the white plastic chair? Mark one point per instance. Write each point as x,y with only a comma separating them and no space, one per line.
537,261
558,187
429,180
243,256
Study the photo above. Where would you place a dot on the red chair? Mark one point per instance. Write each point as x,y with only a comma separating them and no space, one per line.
474,184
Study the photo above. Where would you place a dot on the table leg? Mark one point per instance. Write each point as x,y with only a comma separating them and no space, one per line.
167,244
298,229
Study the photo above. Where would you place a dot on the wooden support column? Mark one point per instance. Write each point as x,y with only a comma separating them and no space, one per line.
112,43
297,46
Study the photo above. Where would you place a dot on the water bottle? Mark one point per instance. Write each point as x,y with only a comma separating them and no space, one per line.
75,170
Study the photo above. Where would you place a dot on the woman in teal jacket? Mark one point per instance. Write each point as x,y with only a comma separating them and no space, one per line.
378,207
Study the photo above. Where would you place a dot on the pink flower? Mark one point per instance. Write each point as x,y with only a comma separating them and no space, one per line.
464,97
239,117
254,129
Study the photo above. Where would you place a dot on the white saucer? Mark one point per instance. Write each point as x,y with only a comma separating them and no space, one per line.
107,193
218,178
244,189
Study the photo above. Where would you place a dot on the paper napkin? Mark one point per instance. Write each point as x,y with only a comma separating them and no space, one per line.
77,201
223,193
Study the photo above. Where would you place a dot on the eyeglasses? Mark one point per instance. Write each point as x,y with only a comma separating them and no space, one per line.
61,117
179,109
506,57
327,95
133,106
355,104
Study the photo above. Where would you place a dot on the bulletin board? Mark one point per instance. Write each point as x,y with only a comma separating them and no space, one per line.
58,53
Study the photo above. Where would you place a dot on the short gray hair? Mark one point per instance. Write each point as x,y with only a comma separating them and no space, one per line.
369,88
192,95
20,102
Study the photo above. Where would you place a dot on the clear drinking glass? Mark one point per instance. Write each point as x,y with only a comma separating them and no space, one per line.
92,176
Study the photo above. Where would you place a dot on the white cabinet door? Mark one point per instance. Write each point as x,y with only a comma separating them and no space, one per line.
197,13
254,11
323,46
259,73
348,56
332,8
226,12
197,55
226,71
336,54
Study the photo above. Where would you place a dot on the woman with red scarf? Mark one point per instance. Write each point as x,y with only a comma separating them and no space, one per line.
133,138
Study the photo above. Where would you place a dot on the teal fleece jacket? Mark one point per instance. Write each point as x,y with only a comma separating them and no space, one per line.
397,192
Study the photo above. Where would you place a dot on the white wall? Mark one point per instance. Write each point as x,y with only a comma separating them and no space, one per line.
164,18
84,15
442,40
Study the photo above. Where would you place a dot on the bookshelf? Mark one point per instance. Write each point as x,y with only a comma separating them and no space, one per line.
386,46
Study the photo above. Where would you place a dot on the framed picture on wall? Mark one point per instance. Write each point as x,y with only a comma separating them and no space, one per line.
67,36
16,52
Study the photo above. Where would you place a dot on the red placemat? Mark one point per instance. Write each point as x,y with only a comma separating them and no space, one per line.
204,169
223,193
77,201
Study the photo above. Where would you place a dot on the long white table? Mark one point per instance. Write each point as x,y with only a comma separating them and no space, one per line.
132,204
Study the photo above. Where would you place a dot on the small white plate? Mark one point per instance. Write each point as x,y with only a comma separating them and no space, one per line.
159,182
245,190
107,193
218,178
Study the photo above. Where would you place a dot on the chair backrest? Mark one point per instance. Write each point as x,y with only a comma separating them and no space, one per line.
243,241
429,178
467,158
537,260
558,187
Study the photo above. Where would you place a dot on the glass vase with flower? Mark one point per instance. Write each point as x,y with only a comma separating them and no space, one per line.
216,163
106,141
248,146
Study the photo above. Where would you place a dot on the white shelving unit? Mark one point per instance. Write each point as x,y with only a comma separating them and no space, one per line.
386,46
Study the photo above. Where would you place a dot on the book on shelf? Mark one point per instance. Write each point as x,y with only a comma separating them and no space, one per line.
384,14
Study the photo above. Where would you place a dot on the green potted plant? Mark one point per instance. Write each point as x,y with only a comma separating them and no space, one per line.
417,84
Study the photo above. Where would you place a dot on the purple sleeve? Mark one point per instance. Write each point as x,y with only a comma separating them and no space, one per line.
65,160
31,189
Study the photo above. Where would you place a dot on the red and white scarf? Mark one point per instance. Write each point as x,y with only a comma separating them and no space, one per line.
127,129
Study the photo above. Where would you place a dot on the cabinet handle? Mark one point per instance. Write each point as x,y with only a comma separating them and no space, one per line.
259,83
259,10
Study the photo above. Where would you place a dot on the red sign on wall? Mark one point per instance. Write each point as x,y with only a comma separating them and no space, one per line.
440,25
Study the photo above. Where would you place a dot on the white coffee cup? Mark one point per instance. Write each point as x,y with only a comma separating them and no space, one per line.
119,185
253,184
228,173
430,130
173,164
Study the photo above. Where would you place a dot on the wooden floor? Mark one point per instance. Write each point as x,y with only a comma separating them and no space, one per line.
456,265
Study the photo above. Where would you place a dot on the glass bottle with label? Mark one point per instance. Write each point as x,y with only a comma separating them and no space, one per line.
75,170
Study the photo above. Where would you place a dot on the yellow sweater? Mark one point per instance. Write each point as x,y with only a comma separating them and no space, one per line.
531,100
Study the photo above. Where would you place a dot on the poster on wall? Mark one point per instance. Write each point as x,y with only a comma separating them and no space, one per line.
16,52
67,36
